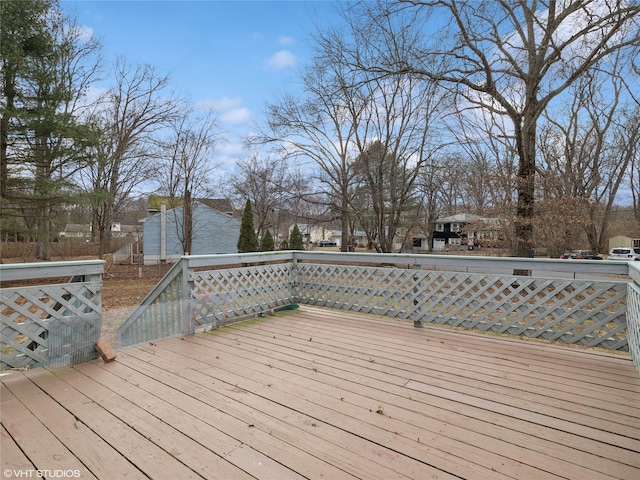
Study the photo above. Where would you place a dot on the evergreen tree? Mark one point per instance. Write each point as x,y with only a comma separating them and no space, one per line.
284,245
47,65
247,242
295,239
267,244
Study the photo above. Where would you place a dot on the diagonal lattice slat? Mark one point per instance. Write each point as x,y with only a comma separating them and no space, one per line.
587,312
633,320
219,296
49,324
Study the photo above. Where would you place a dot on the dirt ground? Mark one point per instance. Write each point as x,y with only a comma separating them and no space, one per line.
123,288
126,285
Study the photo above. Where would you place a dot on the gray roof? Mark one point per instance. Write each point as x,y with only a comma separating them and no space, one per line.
464,218
78,227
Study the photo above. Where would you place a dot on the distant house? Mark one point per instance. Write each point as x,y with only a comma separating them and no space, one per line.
125,231
213,232
312,234
358,238
464,229
77,232
83,232
623,241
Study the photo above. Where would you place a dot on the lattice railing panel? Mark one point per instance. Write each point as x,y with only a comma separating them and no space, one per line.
49,324
633,323
586,312
219,296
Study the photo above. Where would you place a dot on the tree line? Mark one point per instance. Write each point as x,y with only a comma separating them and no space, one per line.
67,145
526,110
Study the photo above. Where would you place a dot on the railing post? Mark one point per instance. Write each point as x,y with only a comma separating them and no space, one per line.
188,302
294,278
417,320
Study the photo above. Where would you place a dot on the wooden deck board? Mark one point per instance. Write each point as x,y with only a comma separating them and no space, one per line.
11,457
280,421
395,396
236,346
320,393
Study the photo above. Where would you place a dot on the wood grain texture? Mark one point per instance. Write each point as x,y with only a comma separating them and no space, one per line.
326,394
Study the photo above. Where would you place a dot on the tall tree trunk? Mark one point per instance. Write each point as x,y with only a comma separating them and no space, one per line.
188,223
43,229
42,194
526,148
104,228
344,218
4,135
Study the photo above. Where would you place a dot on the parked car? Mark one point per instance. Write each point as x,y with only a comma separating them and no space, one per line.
581,255
624,253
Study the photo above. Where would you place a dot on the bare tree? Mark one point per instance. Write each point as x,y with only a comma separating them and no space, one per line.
487,157
320,129
511,57
188,166
586,148
269,184
396,138
130,116
634,164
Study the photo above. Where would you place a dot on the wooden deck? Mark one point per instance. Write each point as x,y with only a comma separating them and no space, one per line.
326,394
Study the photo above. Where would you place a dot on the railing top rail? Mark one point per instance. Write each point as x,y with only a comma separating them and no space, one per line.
474,261
24,271
634,271
464,262
194,261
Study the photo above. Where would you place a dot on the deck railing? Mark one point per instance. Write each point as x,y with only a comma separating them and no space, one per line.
633,314
202,292
592,303
576,302
49,323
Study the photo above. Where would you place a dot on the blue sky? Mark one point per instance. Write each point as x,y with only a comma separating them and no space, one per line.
232,55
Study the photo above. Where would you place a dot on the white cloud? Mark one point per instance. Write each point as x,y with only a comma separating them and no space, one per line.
281,60
284,40
237,115
230,151
222,104
234,147
228,110
84,33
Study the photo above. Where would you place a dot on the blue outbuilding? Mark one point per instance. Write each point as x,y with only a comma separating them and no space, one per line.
213,232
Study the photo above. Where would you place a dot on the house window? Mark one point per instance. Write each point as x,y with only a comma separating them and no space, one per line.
439,227
454,241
